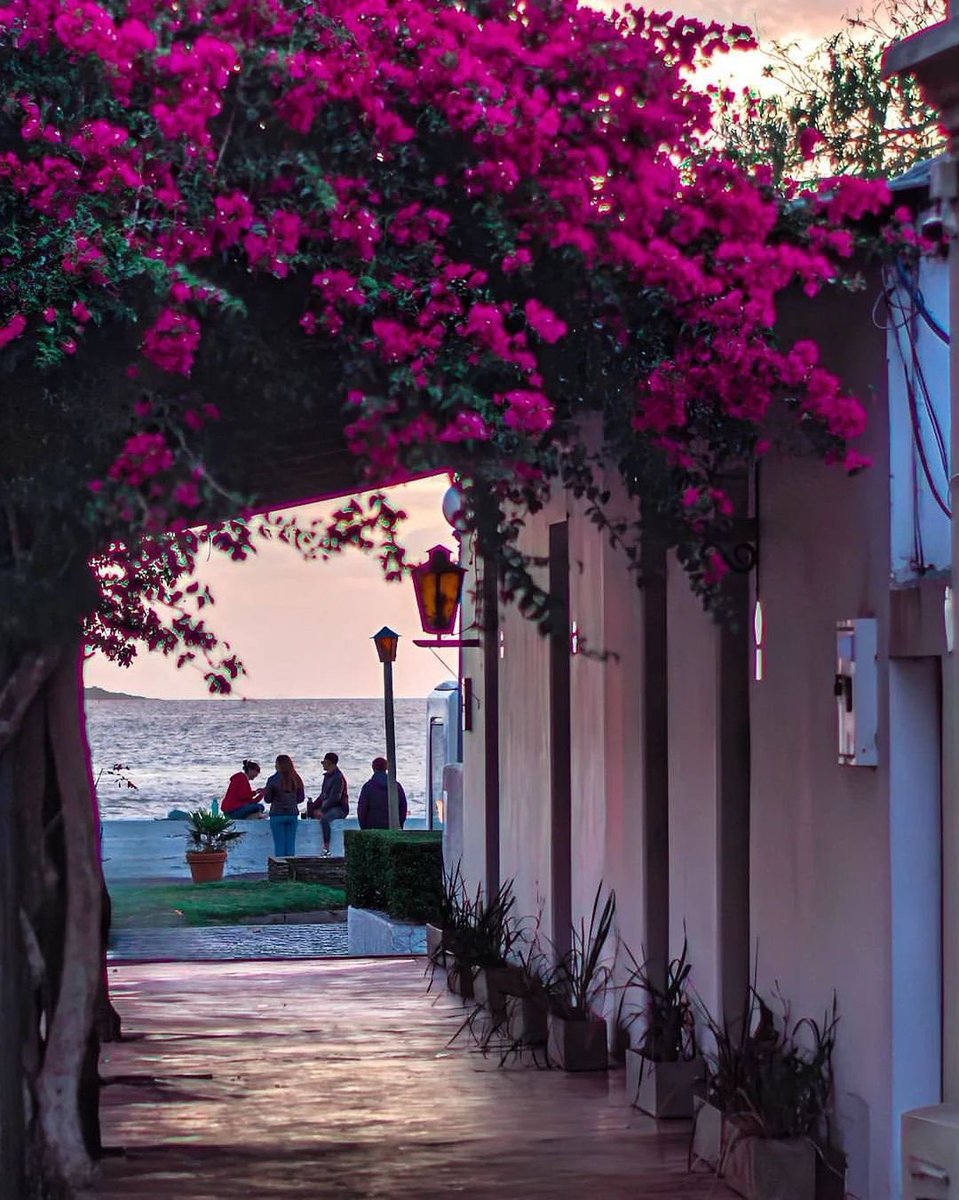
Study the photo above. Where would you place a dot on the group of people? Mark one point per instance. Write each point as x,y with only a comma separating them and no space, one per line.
284,793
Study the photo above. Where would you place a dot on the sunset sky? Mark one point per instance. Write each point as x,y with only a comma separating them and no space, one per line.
303,629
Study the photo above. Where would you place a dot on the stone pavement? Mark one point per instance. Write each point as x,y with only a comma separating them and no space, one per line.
228,942
335,1079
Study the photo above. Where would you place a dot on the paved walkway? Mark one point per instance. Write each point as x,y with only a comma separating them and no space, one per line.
226,942
334,1079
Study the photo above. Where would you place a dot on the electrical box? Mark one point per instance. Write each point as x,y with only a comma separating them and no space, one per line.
930,1153
857,692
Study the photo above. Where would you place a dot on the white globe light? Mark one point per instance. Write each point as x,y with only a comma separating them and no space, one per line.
454,510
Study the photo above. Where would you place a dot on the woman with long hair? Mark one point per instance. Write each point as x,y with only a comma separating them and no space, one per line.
284,793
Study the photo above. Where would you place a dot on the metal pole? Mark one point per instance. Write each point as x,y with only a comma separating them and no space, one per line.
394,799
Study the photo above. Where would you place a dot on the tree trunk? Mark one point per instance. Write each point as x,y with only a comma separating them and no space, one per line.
51,942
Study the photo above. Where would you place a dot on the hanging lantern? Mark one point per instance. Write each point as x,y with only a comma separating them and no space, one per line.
386,642
438,583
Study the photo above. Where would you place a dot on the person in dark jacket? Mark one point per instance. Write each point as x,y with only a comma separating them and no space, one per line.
373,807
333,802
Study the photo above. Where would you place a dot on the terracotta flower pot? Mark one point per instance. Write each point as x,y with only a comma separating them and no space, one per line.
206,866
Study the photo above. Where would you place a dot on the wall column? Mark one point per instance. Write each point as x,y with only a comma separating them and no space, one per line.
932,56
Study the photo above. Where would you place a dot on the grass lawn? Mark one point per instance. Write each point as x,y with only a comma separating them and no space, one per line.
137,906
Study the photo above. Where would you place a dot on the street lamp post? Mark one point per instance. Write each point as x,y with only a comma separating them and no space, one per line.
386,642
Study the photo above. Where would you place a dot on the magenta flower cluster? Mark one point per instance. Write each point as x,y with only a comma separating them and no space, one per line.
499,149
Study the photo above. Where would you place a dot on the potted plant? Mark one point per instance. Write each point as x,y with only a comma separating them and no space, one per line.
576,989
663,1071
495,942
722,1089
209,834
777,1103
451,916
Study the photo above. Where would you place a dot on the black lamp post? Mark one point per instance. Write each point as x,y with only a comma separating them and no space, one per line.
386,642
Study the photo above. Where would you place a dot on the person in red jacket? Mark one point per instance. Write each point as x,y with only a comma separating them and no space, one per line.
241,800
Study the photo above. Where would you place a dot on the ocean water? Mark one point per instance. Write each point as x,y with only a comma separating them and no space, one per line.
181,753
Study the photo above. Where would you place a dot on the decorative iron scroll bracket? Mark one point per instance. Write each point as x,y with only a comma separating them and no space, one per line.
738,545
453,643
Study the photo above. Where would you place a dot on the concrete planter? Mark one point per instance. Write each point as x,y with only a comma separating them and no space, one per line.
664,1090
435,949
709,1126
578,1045
771,1168
830,1175
526,1020
206,866
459,977
492,985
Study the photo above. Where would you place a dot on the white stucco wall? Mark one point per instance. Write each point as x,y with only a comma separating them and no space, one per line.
525,748
473,862
624,749
606,740
820,893
822,856
819,838
693,834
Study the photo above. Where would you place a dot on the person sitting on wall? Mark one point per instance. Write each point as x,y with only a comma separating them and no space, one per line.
373,806
241,800
333,802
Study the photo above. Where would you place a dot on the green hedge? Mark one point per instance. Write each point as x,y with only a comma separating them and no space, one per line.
395,871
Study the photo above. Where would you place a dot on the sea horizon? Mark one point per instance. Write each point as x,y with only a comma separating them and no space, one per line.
181,753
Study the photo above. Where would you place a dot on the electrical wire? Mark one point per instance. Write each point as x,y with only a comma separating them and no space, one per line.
908,317
929,407
918,300
917,435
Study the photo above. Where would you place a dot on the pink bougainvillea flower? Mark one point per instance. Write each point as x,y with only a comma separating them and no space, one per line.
13,329
809,142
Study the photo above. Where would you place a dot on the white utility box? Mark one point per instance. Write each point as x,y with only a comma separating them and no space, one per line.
930,1153
857,691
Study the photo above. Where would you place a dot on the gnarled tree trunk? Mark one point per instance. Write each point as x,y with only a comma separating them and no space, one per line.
51,942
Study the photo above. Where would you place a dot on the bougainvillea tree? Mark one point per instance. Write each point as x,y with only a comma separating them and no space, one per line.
249,244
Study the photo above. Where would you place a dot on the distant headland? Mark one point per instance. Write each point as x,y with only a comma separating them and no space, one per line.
99,693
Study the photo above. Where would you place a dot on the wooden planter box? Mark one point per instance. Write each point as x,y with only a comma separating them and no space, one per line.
709,1127
664,1090
206,866
526,1020
492,985
459,977
771,1168
578,1045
